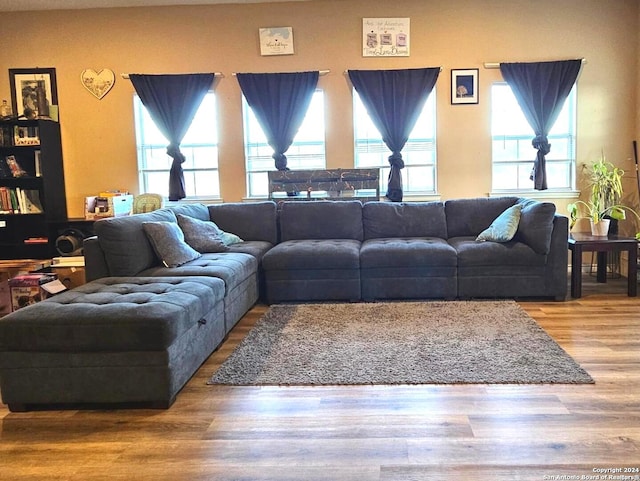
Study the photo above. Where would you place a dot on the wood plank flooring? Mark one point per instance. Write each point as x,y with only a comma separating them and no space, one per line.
416,433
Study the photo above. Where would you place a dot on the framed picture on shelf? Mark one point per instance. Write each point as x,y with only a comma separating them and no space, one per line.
464,86
33,91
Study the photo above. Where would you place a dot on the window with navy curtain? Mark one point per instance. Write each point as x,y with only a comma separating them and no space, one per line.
172,101
394,100
280,102
541,89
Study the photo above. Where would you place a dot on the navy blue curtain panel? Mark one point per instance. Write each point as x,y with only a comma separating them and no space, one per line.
541,88
172,102
394,100
280,102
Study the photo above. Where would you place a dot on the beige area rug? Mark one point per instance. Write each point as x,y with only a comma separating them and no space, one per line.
447,342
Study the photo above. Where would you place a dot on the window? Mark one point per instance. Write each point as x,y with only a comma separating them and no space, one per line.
512,152
199,146
306,152
419,153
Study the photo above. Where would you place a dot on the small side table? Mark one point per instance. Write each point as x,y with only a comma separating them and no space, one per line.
580,242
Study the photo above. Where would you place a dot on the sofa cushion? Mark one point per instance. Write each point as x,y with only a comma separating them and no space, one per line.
168,242
469,217
504,227
202,235
313,254
127,250
407,252
113,314
251,221
255,248
536,224
321,220
198,211
402,219
232,267
510,254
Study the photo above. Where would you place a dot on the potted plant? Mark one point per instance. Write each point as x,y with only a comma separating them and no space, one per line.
605,180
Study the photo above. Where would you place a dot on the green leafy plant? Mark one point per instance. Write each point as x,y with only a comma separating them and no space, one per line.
605,180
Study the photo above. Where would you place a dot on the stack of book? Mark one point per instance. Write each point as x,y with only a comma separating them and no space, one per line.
20,201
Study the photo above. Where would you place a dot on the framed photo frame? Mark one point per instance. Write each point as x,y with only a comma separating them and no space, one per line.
33,91
464,86
276,41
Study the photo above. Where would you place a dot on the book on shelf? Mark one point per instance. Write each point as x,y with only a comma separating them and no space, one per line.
36,240
37,160
29,200
5,201
15,203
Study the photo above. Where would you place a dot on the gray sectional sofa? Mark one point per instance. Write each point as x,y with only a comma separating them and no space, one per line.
139,329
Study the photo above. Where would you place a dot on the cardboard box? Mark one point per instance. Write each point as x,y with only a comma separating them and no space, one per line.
13,268
96,207
70,276
28,289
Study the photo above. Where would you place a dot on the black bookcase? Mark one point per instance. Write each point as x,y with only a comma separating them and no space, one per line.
32,192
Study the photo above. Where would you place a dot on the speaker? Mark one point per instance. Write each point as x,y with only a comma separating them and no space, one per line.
69,242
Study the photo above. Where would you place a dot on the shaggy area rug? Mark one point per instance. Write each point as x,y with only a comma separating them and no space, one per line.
488,342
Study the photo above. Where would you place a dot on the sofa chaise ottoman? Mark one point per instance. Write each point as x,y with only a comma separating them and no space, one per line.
114,340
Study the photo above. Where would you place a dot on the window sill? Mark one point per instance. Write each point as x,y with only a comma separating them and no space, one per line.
419,197
192,200
538,194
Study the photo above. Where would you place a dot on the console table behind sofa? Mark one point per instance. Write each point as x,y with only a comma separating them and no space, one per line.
326,184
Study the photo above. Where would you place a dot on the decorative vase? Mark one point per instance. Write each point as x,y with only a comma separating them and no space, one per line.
600,228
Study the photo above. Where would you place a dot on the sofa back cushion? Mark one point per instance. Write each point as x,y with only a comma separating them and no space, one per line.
321,220
251,221
469,217
127,249
197,211
401,219
536,224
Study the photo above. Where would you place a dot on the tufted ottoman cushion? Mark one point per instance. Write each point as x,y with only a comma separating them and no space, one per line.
312,269
238,270
114,340
113,314
232,267
408,268
313,253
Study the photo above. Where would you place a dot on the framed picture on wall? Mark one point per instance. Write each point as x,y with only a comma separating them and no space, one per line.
33,91
464,86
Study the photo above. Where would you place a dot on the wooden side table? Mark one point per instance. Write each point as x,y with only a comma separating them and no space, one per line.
580,242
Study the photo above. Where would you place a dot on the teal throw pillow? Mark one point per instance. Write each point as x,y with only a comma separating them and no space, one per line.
202,235
228,238
168,243
504,227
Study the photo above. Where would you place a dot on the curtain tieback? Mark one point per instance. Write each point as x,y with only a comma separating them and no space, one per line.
395,159
173,151
541,144
280,161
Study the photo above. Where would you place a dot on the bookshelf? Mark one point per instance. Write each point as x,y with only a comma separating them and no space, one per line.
32,191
